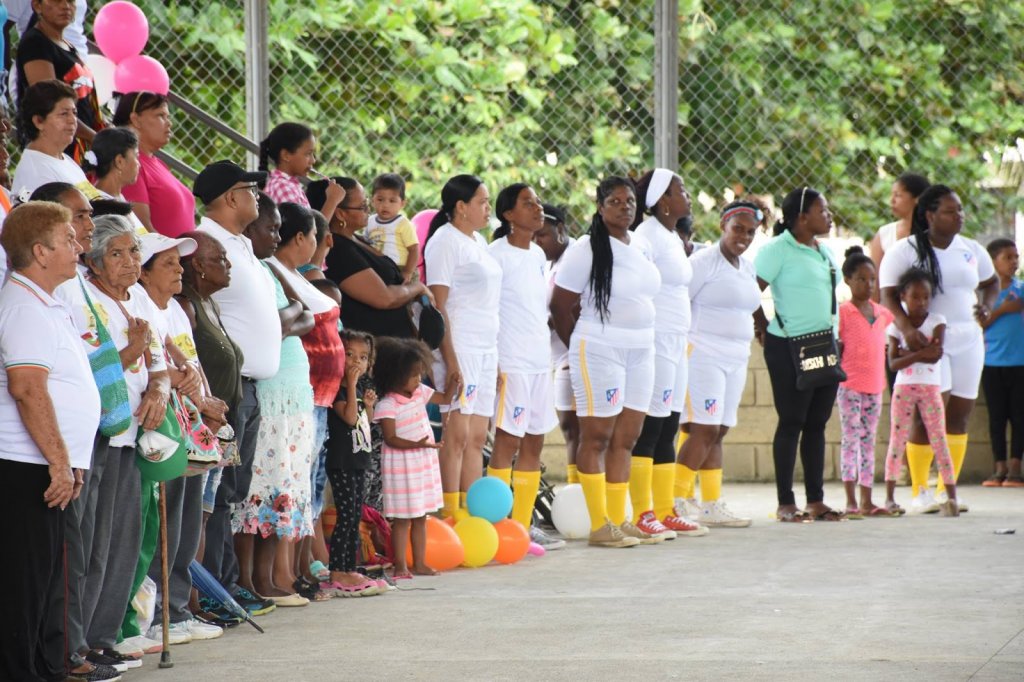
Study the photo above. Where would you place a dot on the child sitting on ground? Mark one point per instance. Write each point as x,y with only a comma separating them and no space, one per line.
388,230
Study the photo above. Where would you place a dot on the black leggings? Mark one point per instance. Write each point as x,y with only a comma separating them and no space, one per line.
658,439
801,413
1004,393
348,488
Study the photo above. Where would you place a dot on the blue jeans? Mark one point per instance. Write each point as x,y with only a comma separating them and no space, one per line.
318,473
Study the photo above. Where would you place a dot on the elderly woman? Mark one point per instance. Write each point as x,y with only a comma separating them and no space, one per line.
49,411
374,295
114,263
114,159
159,199
47,116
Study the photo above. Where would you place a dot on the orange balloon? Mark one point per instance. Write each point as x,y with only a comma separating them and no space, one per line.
513,541
444,549
450,521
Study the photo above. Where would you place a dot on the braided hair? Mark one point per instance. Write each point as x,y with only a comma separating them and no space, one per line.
792,209
601,246
506,201
927,259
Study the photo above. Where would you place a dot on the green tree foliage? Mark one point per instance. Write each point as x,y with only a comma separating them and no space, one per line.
839,94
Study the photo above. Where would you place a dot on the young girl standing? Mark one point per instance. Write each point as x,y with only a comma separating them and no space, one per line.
349,451
1003,376
409,465
918,386
862,331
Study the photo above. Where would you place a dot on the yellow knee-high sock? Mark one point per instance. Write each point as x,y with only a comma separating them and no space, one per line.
686,479
572,475
524,494
451,503
462,501
710,484
640,469
501,474
680,439
616,502
662,487
597,503
919,460
957,453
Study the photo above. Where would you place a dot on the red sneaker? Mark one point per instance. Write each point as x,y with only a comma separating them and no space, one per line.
650,524
683,526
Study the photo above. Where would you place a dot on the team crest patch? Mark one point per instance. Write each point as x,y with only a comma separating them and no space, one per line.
711,406
969,257
666,395
518,414
612,396
470,390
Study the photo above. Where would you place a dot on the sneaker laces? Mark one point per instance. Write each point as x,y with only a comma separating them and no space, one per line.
652,522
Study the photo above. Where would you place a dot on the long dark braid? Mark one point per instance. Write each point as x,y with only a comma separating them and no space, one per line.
927,259
601,246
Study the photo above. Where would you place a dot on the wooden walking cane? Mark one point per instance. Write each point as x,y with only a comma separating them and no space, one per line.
165,608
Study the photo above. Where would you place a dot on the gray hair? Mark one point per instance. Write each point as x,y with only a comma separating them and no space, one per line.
109,228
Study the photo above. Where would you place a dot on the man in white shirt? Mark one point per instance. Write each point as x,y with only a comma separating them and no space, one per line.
248,308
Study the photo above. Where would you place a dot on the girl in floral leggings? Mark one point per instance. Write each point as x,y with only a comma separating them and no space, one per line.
918,384
862,330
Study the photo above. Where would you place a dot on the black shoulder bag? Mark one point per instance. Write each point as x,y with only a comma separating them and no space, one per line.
815,355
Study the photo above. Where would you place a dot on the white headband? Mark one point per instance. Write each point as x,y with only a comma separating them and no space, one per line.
660,181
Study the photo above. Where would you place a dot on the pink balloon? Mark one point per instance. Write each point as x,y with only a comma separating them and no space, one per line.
421,221
141,73
536,550
121,31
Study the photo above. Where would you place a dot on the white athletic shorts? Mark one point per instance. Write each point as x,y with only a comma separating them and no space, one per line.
479,383
565,401
669,364
606,380
715,391
525,404
961,371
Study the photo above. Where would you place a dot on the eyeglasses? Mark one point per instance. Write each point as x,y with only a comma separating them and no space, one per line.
252,189
364,207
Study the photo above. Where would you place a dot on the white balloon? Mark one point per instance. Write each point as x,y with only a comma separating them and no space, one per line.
103,76
569,512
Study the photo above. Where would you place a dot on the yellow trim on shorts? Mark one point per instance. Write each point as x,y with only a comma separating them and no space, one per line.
501,400
586,379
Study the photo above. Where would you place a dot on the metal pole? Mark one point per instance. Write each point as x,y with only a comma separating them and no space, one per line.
666,84
257,73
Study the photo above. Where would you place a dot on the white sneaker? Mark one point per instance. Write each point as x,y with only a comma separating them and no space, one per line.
200,630
717,515
689,508
176,634
941,497
129,647
140,643
924,503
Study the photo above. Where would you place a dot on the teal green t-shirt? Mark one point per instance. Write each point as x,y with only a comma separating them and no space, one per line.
801,283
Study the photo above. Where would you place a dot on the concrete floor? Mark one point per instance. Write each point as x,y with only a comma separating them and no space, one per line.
912,598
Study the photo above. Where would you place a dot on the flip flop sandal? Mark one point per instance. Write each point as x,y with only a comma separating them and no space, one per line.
854,514
895,510
880,511
795,516
318,569
830,515
365,589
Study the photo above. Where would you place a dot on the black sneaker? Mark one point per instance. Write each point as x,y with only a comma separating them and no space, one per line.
130,661
256,606
97,658
99,673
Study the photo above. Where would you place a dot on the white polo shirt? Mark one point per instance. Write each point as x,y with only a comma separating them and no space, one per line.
248,306
36,330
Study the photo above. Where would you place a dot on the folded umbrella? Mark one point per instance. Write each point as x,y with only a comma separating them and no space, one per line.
208,585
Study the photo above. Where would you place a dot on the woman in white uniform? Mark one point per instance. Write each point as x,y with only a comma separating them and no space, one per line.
725,295
961,271
525,409
652,469
466,283
611,355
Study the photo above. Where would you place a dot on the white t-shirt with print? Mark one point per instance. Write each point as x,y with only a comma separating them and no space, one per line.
964,264
36,169
665,249
929,374
724,299
473,278
523,331
635,283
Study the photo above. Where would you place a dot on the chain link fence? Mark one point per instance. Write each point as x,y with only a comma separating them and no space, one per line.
772,95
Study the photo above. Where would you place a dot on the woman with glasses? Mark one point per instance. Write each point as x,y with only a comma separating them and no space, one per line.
373,292
801,271
159,199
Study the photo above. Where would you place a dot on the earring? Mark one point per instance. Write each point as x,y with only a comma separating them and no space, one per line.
342,224
202,275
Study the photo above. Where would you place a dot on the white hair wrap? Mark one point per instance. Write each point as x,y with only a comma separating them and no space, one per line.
660,181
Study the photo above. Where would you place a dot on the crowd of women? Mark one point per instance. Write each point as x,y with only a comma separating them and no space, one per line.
289,329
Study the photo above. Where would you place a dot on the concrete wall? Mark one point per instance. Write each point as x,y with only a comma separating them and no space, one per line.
748,447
